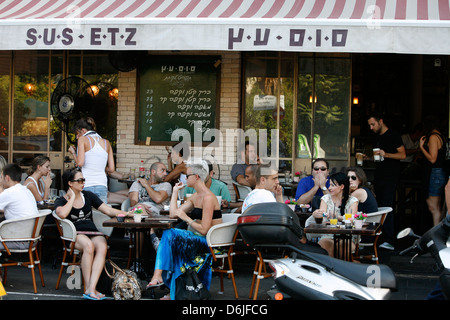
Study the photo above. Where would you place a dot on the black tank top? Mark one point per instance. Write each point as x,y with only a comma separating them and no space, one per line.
197,213
440,161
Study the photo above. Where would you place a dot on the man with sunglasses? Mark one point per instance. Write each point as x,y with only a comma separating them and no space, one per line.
311,188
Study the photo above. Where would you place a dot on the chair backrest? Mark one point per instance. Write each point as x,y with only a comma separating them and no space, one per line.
99,218
125,205
66,228
114,185
23,229
241,191
222,234
378,216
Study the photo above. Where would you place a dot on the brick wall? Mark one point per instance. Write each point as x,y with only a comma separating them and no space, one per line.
129,155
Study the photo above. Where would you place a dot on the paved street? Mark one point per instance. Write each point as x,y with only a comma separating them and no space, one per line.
414,280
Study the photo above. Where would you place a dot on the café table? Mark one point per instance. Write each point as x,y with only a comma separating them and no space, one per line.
158,222
342,237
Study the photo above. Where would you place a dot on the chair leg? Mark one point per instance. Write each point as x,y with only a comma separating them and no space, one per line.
38,263
63,264
31,266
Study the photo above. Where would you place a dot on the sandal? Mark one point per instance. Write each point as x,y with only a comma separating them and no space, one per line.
91,296
151,286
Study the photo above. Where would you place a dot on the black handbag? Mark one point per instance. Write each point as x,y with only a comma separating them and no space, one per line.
189,287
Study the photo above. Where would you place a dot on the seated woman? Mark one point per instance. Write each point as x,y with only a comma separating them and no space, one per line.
180,153
179,247
76,206
39,180
336,203
358,188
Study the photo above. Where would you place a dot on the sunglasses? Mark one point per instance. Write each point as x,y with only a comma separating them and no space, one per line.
352,177
321,168
188,175
81,180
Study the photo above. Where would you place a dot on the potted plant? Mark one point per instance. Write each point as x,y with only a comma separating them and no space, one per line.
358,220
297,176
291,203
137,213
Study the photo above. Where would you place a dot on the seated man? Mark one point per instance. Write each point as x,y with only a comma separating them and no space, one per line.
152,193
216,186
311,188
16,201
267,189
248,156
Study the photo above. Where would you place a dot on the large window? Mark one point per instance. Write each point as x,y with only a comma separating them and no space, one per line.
27,81
323,111
269,100
306,97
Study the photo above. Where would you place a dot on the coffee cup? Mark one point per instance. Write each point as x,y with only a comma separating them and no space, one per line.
318,220
359,158
376,155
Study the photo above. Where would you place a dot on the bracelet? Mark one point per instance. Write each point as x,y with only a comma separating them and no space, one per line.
189,224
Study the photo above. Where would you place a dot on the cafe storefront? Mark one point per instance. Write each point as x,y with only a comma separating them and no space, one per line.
260,65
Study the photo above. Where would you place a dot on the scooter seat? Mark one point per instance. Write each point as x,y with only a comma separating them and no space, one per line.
376,275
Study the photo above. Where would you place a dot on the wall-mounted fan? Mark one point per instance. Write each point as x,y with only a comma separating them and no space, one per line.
71,100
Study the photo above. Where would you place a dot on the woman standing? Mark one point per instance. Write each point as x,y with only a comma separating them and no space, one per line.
432,145
358,188
179,247
336,204
93,155
76,206
39,180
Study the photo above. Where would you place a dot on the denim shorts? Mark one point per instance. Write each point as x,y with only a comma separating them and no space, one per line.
100,191
438,179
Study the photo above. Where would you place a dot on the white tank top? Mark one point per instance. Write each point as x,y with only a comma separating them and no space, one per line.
95,161
41,193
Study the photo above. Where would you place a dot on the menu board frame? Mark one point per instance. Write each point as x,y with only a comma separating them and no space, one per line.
182,61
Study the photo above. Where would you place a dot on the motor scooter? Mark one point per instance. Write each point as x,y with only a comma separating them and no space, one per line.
436,242
307,274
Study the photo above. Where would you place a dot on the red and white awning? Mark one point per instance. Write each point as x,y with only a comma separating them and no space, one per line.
403,26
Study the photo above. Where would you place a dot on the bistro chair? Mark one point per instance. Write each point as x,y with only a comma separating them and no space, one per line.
29,231
220,239
125,207
241,191
68,235
377,217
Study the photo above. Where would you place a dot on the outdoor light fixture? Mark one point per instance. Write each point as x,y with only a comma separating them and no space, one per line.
311,99
355,100
29,89
95,89
114,93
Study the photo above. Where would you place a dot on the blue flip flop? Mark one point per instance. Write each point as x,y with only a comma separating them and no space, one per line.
90,297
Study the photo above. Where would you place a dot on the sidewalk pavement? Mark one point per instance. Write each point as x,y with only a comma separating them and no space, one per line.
414,280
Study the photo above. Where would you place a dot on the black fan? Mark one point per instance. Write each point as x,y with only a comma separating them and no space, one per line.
125,61
72,99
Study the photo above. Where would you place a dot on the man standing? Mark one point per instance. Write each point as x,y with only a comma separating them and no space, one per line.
248,156
267,187
387,171
311,188
153,193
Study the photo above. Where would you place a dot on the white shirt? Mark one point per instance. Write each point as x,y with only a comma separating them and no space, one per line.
258,196
18,202
95,161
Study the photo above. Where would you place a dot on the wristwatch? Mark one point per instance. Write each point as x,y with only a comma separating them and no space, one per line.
324,188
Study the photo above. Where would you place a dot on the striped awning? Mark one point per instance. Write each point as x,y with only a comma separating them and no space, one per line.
402,26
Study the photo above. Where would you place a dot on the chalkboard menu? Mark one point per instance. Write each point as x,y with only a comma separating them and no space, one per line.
176,92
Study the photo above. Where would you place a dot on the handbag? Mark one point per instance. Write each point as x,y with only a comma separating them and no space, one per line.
125,284
189,287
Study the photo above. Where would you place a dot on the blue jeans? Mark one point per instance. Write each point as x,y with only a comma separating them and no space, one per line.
100,191
438,179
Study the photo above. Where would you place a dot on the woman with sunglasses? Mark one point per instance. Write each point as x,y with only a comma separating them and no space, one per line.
180,248
335,204
76,206
311,188
358,188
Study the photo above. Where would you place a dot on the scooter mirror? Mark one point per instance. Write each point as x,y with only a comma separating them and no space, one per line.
405,232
